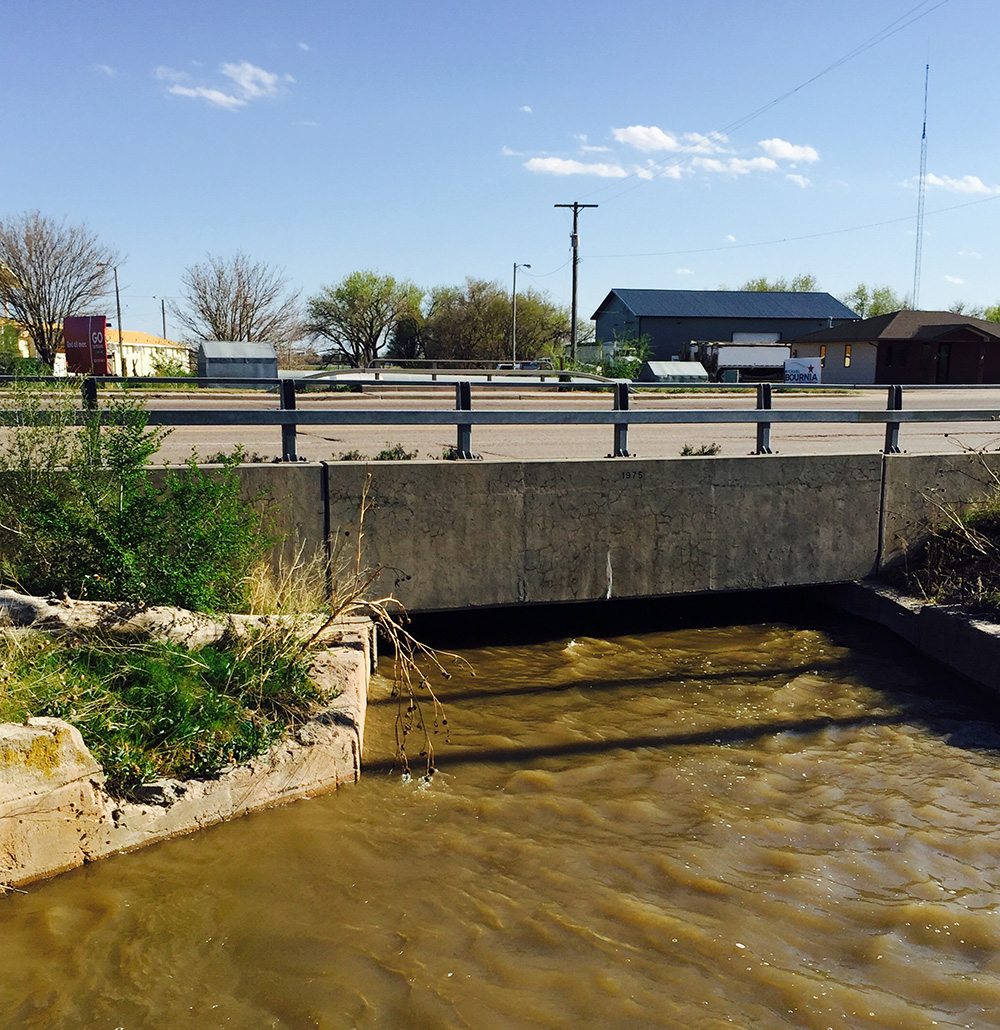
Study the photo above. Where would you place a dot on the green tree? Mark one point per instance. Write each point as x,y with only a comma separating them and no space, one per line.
869,301
992,313
468,323
49,270
358,314
804,282
628,356
473,322
407,338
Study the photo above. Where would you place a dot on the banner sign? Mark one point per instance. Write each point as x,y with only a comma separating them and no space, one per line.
802,371
86,345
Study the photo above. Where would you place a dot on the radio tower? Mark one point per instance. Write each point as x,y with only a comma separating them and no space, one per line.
921,190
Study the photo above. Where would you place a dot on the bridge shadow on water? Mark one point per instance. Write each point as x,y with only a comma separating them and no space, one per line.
937,700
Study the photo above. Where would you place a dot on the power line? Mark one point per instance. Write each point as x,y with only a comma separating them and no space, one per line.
797,239
686,154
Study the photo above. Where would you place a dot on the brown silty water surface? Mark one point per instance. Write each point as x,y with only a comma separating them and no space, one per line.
754,826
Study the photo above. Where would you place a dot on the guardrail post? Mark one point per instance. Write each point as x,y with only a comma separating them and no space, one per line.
463,402
895,403
287,394
621,428
763,428
92,422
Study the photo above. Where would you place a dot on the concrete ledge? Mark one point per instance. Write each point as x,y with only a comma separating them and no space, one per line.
56,815
968,646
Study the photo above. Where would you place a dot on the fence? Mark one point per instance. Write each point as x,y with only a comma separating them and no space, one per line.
288,417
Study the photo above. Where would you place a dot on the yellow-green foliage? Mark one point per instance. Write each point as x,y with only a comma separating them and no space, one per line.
155,710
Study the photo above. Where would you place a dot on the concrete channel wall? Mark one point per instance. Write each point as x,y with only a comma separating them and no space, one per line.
55,813
453,535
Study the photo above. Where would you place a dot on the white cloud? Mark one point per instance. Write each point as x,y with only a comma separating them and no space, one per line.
251,81
107,69
782,150
954,280
709,164
304,46
589,148
646,137
734,165
974,254
525,109
712,143
743,165
246,82
563,166
730,238
507,152
799,180
967,184
683,271
214,96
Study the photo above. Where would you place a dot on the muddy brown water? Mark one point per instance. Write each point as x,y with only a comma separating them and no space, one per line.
763,825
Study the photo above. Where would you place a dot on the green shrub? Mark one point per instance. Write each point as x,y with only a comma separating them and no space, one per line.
702,450
170,367
81,512
394,452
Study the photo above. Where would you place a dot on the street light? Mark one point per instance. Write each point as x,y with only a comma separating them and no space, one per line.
513,316
118,306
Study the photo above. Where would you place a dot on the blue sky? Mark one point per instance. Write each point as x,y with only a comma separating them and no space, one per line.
721,140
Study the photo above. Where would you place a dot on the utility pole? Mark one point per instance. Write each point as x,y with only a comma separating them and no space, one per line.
513,317
574,240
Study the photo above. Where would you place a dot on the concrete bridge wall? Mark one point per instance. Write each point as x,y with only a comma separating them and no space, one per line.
482,534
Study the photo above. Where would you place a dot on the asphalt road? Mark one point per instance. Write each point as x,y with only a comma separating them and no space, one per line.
526,442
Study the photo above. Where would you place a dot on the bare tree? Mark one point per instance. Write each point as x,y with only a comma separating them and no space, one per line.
238,299
49,270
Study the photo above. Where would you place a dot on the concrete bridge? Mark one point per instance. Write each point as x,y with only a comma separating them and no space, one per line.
454,535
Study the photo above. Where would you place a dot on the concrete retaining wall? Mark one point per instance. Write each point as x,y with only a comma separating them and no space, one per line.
966,645
918,489
474,534
55,813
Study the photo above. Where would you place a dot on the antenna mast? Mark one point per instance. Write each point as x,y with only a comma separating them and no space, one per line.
921,190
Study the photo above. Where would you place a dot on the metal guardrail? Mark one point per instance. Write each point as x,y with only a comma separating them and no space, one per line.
288,417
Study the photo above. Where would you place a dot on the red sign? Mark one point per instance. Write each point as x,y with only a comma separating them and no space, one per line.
86,345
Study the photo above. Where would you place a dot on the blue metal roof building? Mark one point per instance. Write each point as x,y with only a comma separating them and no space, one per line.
672,319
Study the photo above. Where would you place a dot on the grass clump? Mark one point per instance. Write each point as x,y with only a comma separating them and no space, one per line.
156,710
702,450
391,452
394,452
